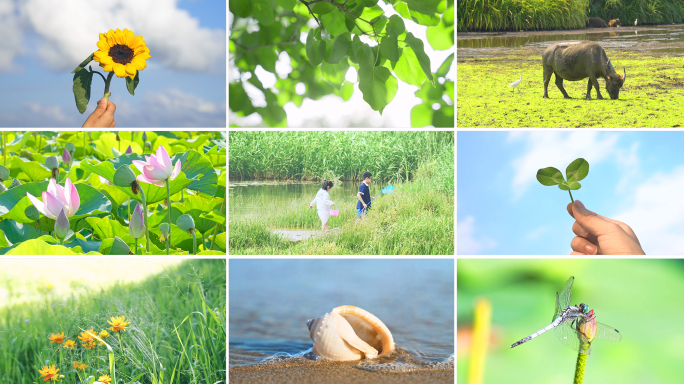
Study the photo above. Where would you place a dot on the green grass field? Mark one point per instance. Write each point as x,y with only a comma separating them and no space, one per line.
177,330
651,96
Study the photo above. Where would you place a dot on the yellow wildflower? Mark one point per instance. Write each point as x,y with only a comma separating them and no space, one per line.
105,379
49,373
118,323
87,340
69,344
57,338
79,365
104,334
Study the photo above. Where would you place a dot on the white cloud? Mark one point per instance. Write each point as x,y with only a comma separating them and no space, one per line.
558,149
53,113
68,31
656,213
10,30
174,108
467,243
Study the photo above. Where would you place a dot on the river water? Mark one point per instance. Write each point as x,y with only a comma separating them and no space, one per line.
663,39
271,300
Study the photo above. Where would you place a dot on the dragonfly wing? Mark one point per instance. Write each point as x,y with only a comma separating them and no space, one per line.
564,298
608,333
568,336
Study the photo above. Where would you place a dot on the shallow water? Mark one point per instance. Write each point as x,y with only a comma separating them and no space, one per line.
271,300
662,39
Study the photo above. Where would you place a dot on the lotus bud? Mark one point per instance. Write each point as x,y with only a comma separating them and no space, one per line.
71,148
588,327
66,158
124,176
129,150
51,163
4,173
15,183
148,145
136,227
32,213
144,137
165,230
61,225
186,223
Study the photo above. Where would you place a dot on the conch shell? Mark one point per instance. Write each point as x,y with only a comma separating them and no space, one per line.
350,333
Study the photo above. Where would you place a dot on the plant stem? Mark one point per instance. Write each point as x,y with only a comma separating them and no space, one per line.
84,145
194,242
4,146
168,207
147,227
204,241
136,246
579,368
61,241
213,240
107,82
573,200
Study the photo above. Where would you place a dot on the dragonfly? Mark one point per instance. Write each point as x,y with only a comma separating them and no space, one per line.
566,322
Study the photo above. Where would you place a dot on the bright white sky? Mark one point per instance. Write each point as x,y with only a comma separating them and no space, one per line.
331,109
634,177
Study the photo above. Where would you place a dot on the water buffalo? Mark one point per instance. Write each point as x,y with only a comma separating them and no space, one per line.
615,23
596,22
578,60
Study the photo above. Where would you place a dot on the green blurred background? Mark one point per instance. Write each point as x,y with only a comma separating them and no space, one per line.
643,299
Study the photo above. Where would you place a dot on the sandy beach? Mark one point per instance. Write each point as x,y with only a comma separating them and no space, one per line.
332,372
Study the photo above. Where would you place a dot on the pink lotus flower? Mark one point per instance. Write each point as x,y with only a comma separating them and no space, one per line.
105,181
136,227
56,199
66,158
157,169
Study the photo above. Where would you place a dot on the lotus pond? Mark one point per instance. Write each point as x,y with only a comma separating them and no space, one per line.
112,193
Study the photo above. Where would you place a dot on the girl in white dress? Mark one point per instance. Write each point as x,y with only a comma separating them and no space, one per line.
322,199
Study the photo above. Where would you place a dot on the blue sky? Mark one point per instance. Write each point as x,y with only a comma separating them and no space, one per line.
184,83
634,177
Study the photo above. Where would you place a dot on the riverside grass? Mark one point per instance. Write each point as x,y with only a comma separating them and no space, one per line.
177,331
528,15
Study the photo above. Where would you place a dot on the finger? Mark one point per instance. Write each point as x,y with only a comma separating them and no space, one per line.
592,222
622,225
580,244
580,231
574,253
101,107
111,108
570,210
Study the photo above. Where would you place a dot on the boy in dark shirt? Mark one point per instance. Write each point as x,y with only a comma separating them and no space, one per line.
364,195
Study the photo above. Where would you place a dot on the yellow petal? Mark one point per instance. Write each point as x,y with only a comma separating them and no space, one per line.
135,42
120,36
110,38
120,70
130,69
103,45
106,60
129,37
139,63
141,49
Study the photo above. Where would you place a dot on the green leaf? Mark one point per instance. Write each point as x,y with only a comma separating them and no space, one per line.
334,23
429,20
83,79
408,68
577,170
337,48
119,247
263,12
131,84
550,176
106,228
389,47
240,8
346,90
84,63
315,49
34,170
195,206
441,37
444,117
215,216
417,47
92,202
445,67
396,24
363,53
378,87
195,166
322,8
40,247
421,116
18,232
335,73
569,185
426,6
287,4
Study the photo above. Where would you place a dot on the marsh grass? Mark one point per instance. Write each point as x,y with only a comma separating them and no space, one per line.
177,332
415,219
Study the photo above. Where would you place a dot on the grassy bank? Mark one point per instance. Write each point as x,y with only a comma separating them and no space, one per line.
389,155
415,219
177,330
649,98
534,15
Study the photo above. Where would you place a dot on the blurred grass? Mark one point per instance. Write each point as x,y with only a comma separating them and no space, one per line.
177,331
640,298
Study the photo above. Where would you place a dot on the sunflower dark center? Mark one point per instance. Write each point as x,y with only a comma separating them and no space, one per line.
121,54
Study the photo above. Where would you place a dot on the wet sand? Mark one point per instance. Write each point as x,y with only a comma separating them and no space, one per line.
332,373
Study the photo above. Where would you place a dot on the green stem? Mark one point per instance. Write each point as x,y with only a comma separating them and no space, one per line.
39,227
579,368
39,137
107,82
203,241
4,146
168,207
194,242
147,227
213,240
61,241
573,200
84,145
136,246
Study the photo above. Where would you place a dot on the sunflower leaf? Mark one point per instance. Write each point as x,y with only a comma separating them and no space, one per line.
132,84
83,79
84,63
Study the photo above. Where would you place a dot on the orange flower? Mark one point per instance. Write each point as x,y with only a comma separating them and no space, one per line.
69,344
57,338
49,373
104,334
87,340
105,379
80,366
118,323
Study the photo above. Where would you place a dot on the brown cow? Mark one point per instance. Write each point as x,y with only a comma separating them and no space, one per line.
596,22
614,23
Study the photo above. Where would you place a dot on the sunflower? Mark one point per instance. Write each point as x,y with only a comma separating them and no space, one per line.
118,323
49,373
69,344
122,52
57,338
105,379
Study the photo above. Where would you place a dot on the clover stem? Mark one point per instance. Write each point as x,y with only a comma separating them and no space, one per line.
147,227
573,200
168,207
107,82
213,240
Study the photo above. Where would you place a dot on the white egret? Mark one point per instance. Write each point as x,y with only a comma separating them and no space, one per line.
635,22
515,84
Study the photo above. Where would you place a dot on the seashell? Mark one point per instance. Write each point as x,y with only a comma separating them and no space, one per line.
350,333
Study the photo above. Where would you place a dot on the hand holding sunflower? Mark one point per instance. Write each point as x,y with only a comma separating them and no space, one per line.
119,52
